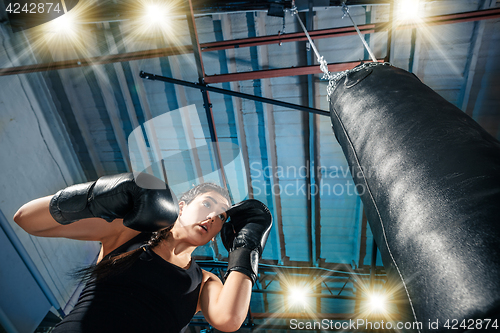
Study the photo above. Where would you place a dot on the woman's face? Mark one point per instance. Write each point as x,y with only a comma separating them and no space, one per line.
204,216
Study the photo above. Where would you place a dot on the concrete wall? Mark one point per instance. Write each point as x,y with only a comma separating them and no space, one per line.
36,159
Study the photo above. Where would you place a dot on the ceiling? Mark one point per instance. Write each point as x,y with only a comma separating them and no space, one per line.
282,155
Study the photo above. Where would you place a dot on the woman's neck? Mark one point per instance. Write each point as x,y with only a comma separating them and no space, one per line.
175,251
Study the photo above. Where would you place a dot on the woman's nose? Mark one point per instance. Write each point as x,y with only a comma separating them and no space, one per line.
211,217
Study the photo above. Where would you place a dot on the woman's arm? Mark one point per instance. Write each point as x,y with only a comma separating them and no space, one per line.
225,307
102,209
34,217
244,236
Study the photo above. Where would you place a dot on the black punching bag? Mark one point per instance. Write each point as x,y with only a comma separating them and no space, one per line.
429,178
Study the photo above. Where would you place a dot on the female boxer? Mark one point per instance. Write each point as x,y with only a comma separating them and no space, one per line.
146,281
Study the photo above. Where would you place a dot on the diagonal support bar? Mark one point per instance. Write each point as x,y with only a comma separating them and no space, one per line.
153,77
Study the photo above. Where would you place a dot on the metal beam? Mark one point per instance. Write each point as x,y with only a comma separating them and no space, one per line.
121,78
472,57
306,315
206,98
150,76
477,15
165,52
238,114
280,72
113,114
270,135
112,107
276,292
149,127
82,122
373,265
180,93
346,31
390,33
362,241
327,273
413,43
310,132
291,37
108,59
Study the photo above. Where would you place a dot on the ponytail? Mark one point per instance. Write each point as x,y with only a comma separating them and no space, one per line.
110,266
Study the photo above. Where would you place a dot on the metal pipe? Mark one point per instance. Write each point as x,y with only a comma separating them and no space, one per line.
153,77
206,98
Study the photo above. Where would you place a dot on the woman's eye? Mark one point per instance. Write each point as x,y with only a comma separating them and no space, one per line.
206,204
222,217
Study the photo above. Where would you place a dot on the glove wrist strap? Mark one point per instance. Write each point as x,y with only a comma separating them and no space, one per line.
71,204
245,261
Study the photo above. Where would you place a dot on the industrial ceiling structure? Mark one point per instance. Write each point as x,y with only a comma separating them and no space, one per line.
231,92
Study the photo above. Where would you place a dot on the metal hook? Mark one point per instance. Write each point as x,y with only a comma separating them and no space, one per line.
283,30
345,9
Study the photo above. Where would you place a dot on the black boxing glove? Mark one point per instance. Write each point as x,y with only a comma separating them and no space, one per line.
145,203
245,235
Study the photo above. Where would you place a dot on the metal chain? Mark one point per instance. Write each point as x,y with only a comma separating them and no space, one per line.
334,79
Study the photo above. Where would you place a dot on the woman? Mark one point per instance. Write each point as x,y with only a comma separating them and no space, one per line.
146,281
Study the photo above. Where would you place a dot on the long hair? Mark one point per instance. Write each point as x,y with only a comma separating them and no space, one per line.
112,265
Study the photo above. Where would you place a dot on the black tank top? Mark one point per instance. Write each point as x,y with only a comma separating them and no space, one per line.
152,295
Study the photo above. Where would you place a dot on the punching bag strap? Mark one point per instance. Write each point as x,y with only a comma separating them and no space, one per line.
345,9
323,65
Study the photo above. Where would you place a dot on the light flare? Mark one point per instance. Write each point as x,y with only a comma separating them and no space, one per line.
378,303
298,295
156,18
64,24
66,37
408,10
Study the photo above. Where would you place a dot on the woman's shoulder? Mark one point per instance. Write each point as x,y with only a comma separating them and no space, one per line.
124,241
209,276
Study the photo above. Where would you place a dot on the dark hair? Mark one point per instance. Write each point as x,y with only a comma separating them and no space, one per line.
191,194
111,265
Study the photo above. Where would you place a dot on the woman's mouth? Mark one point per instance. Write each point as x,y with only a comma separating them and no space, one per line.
204,226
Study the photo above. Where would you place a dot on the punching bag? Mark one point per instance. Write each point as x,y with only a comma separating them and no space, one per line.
429,178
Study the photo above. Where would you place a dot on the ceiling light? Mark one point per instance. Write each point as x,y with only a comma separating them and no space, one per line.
378,303
154,13
64,24
408,10
297,295
156,17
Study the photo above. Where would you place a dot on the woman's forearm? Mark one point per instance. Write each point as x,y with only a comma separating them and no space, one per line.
235,295
226,306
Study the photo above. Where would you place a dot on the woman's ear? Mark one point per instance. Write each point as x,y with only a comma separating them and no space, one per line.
182,204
